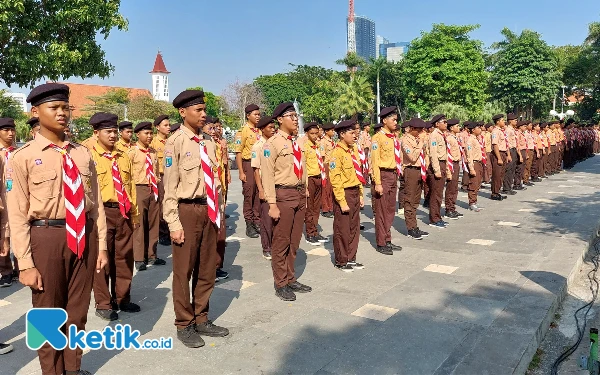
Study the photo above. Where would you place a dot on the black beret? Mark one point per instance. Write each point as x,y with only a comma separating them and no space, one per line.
283,108
251,107
310,125
480,123
511,116
385,112
437,118
144,125
417,123
498,117
48,92
160,119
488,125
175,127
209,120
264,121
346,124
453,121
403,125
7,122
570,121
216,120
328,126
543,125
104,120
378,125
466,123
473,125
33,122
188,98
521,123
125,125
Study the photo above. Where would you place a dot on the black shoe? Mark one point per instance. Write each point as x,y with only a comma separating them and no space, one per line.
423,234
129,307
15,275
156,262
362,227
344,267
190,337
520,187
299,287
355,265
6,281
327,215
221,275
452,215
414,234
285,294
164,240
496,197
267,254
511,192
140,266
227,216
385,250
5,348
394,247
458,214
426,204
257,227
209,329
312,241
109,315
250,230
321,239
530,184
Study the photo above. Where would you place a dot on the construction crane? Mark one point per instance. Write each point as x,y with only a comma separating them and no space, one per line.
351,28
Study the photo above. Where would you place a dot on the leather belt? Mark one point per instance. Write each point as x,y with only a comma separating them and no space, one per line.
391,170
352,187
200,201
412,167
111,204
299,187
48,223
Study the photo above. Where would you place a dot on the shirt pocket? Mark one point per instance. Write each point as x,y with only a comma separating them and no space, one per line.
86,180
104,176
44,185
191,170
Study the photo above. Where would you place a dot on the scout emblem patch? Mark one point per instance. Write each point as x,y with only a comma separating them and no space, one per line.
253,154
238,141
168,161
266,150
9,184
434,143
332,165
38,161
374,146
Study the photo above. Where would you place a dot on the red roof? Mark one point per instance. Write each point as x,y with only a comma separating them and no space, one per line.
159,65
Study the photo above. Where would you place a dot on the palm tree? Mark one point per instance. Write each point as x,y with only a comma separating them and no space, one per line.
354,97
352,62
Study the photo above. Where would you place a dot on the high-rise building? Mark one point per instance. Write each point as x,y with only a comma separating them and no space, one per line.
379,40
365,37
393,52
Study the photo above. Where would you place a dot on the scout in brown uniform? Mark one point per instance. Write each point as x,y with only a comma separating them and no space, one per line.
451,193
426,189
222,163
474,163
89,142
145,177
125,135
118,196
163,128
55,264
222,143
487,139
498,157
527,173
514,156
522,152
34,127
267,127
327,146
244,140
438,170
462,136
7,137
385,177
348,194
553,159
284,183
4,250
314,163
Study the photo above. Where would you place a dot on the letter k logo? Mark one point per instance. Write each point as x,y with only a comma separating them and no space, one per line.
44,325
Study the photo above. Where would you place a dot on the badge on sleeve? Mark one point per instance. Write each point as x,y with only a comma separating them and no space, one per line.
407,150
253,154
374,146
332,165
238,141
38,161
468,147
494,135
434,143
9,184
168,161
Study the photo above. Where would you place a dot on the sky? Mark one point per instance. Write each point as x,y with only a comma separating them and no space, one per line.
213,43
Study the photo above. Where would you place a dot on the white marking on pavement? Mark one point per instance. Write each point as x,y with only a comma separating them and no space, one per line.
477,241
235,239
464,196
170,256
4,302
509,223
544,200
370,230
375,312
16,338
235,285
572,181
565,186
579,176
440,269
528,210
320,251
556,192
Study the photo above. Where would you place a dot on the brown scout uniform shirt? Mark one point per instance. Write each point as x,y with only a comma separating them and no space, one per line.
512,136
498,139
121,145
473,150
411,149
437,151
245,139
454,147
327,146
138,161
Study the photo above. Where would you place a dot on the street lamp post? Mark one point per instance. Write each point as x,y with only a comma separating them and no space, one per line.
562,113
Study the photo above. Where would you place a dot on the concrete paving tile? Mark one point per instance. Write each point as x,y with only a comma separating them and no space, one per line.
438,281
375,312
509,223
504,348
493,290
440,269
473,310
482,242
411,300
235,285
4,303
477,365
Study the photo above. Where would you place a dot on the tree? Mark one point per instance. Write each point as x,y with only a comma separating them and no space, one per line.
55,38
278,88
352,62
391,78
237,95
145,108
113,101
452,111
9,107
213,102
444,66
525,74
354,97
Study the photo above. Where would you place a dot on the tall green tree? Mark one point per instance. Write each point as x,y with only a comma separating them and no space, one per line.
10,107
445,66
391,79
525,74
352,62
55,39
354,97
214,103
113,101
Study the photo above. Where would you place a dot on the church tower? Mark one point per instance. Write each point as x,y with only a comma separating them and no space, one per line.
160,79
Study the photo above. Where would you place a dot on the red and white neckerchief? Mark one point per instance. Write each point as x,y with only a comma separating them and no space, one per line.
212,199
483,155
124,203
150,172
505,139
256,132
449,152
74,202
362,157
357,168
397,151
9,151
423,166
321,166
297,158
463,161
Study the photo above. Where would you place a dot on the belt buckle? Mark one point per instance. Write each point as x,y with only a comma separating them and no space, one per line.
299,187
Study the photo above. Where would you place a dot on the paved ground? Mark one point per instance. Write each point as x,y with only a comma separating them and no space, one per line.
475,298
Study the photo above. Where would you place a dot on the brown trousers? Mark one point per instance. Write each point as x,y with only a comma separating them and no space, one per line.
287,232
67,283
195,259
528,164
452,189
498,171
401,192
250,192
509,170
542,163
520,168
487,168
437,192
266,226
346,227
119,270
465,180
163,227
426,190
385,207
548,160
555,161
327,194
6,266
475,183
221,242
145,237
313,205
413,184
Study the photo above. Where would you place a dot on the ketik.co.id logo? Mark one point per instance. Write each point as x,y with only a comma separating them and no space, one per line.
44,326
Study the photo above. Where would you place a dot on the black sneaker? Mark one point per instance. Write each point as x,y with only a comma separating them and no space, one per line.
322,239
496,197
328,215
426,204
285,294
6,280
423,234
129,307
164,240
414,234
257,227
344,267
227,216
511,192
267,254
519,187
140,266
156,262
312,241
15,275
452,215
458,214
221,275
299,287
209,329
362,227
529,184
385,250
250,230
537,179
108,315
190,337
439,224
393,247
5,348
355,265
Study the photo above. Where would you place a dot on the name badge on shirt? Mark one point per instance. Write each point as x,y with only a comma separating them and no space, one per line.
38,161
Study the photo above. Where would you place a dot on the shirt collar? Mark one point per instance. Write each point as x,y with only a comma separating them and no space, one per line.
43,142
190,134
283,134
101,150
343,146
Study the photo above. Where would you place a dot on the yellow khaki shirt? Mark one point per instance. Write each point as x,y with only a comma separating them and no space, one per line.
106,182
454,147
245,139
257,150
411,150
473,151
220,165
138,161
4,228
277,165
437,151
34,180
158,145
89,142
498,139
521,141
382,154
310,155
184,178
121,145
342,174
552,137
327,146
487,136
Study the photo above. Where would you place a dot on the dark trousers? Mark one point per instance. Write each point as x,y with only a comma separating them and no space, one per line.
520,168
327,194
465,180
535,164
266,226
119,270
250,192
543,162
437,192
145,237
401,192
554,163
528,164
67,283
497,171
346,227
487,174
163,227
195,259
451,193
287,232
413,184
385,207
475,183
6,266
548,161
221,242
313,205
509,173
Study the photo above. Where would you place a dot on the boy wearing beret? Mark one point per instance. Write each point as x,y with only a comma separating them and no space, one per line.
499,156
7,147
475,159
316,180
125,135
163,128
454,159
438,171
326,148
